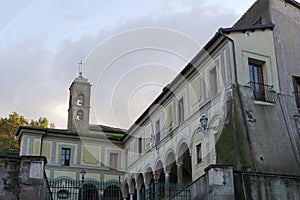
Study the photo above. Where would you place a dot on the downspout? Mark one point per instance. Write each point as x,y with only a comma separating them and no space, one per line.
41,145
240,100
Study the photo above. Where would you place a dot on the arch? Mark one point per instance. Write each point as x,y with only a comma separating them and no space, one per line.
126,191
182,146
132,185
79,115
140,181
170,158
80,99
112,192
90,191
159,165
148,175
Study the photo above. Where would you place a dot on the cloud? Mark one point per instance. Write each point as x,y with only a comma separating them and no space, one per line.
35,78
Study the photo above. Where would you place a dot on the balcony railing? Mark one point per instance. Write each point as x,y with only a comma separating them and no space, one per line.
263,92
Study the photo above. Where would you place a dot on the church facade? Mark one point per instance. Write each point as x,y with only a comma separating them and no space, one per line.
235,104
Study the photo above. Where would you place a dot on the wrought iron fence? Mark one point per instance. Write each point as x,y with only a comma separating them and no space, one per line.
166,191
263,92
68,189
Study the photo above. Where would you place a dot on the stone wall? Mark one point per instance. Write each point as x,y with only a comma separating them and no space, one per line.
217,183
266,186
22,178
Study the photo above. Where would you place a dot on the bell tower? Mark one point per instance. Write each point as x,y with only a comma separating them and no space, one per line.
79,103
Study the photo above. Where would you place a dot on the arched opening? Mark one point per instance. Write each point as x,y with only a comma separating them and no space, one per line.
79,115
185,161
160,176
133,188
141,186
172,170
126,191
80,100
90,192
112,192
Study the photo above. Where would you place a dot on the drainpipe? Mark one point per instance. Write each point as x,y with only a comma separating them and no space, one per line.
240,100
41,145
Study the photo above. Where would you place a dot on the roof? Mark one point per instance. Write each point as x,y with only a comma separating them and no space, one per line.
294,3
248,28
102,128
166,92
105,132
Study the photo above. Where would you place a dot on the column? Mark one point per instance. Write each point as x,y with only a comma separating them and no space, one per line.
131,196
138,193
147,192
167,185
156,190
179,175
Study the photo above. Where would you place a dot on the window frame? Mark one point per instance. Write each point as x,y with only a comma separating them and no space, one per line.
256,77
64,161
180,110
199,156
114,161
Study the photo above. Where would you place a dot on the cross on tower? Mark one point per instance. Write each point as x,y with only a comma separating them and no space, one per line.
80,68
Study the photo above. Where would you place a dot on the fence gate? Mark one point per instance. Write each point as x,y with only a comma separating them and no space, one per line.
68,189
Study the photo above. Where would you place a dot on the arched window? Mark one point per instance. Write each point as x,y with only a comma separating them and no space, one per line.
80,100
79,115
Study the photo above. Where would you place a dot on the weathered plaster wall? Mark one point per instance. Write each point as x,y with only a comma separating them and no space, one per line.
22,178
266,186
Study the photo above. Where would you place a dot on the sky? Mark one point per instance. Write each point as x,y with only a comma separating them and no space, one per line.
131,49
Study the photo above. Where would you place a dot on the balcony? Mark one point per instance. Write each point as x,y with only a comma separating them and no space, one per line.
263,92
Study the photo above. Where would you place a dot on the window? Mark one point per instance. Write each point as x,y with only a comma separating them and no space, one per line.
257,80
80,100
157,131
140,145
199,153
296,81
180,111
113,160
65,156
79,115
126,158
213,82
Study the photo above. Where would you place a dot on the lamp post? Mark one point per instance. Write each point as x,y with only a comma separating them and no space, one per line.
203,122
82,172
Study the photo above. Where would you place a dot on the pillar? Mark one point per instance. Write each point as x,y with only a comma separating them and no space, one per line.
179,175
167,185
156,190
131,196
138,193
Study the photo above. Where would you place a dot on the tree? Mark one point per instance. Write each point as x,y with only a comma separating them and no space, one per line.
9,126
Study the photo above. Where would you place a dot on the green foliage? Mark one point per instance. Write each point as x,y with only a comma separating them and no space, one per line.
9,125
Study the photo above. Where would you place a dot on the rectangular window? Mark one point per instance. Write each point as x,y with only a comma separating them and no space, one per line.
140,146
113,160
214,86
157,131
126,158
199,153
296,81
180,111
257,80
65,156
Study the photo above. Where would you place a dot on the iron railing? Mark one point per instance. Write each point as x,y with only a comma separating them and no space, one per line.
67,189
263,92
169,191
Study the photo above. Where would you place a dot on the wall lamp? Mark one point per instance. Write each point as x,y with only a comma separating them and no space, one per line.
203,123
